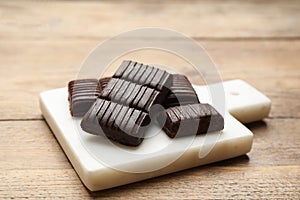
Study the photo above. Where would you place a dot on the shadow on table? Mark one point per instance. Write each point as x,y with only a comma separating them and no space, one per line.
257,126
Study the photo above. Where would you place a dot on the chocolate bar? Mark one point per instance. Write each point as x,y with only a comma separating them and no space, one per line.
103,82
181,92
118,122
135,87
83,93
190,119
131,94
144,75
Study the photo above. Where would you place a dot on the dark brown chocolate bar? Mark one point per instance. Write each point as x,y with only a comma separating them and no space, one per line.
135,87
190,119
83,93
103,82
145,75
131,94
181,92
118,122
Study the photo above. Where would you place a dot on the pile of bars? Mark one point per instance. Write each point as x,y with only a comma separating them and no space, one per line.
118,107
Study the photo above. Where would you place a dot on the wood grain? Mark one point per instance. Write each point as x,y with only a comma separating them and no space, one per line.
270,66
33,165
202,182
31,145
42,44
232,19
32,160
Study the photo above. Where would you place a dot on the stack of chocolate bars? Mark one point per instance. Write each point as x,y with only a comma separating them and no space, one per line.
118,107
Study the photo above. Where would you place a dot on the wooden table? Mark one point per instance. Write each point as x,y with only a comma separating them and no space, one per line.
42,45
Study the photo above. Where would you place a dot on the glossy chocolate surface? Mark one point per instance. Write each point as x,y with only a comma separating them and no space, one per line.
82,94
123,106
181,92
192,119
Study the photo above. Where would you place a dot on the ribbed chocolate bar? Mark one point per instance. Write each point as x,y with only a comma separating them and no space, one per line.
181,92
190,119
137,85
83,93
131,94
103,82
134,87
118,122
145,75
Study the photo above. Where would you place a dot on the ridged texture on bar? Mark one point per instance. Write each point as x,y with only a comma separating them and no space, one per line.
83,93
128,97
137,85
181,92
145,75
103,82
190,119
118,122
131,94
